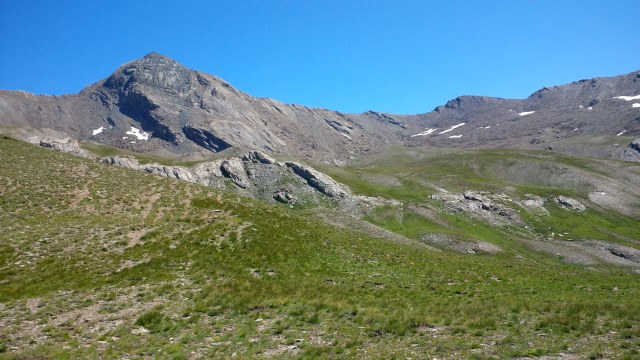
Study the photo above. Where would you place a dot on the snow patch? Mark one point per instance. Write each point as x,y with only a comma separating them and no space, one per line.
452,128
133,142
581,107
525,113
635,105
576,129
136,132
124,138
425,133
590,108
621,132
98,130
455,136
345,135
627,98
486,127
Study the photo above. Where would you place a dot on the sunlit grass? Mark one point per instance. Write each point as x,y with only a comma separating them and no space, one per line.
97,261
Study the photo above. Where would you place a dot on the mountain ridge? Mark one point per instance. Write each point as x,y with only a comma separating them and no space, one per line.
156,105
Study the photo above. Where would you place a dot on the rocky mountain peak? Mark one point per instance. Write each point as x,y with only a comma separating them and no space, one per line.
154,104
153,70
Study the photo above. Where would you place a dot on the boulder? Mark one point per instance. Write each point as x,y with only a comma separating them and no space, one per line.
234,170
318,180
569,203
283,196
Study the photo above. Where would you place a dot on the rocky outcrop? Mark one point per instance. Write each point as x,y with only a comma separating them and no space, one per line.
208,169
258,157
254,174
569,203
129,163
234,170
283,196
65,145
174,172
632,151
318,180
481,205
534,204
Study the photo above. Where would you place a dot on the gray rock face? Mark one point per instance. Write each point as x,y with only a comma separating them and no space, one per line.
258,157
208,169
66,145
482,205
176,110
128,163
318,180
283,196
234,169
534,204
632,151
569,203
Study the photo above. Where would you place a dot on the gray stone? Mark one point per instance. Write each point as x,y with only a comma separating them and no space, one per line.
208,169
318,180
569,203
283,196
129,163
234,170
632,151
65,145
258,157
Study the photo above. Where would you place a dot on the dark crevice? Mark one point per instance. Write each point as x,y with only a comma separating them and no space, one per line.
205,139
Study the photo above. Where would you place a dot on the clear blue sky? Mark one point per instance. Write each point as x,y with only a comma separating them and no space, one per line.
392,56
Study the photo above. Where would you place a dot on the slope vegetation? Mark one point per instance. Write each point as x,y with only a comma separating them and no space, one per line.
98,261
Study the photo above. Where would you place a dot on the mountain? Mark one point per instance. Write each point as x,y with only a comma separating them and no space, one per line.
155,105
175,110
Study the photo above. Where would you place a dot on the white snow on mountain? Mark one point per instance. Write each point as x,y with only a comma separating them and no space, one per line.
627,98
424,133
136,132
452,128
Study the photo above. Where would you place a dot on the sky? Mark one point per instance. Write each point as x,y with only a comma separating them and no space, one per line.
399,57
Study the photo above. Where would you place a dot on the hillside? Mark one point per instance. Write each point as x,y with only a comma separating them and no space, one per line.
100,261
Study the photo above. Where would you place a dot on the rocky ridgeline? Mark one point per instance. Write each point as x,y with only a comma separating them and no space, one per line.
254,174
247,172
156,105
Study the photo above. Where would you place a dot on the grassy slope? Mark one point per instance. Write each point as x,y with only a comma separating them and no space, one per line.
419,173
91,254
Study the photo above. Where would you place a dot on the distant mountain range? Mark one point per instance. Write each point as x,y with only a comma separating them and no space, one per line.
155,105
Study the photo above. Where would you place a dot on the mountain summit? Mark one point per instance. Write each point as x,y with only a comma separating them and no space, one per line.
156,105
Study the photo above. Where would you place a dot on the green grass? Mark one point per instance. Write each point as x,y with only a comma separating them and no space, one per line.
90,254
